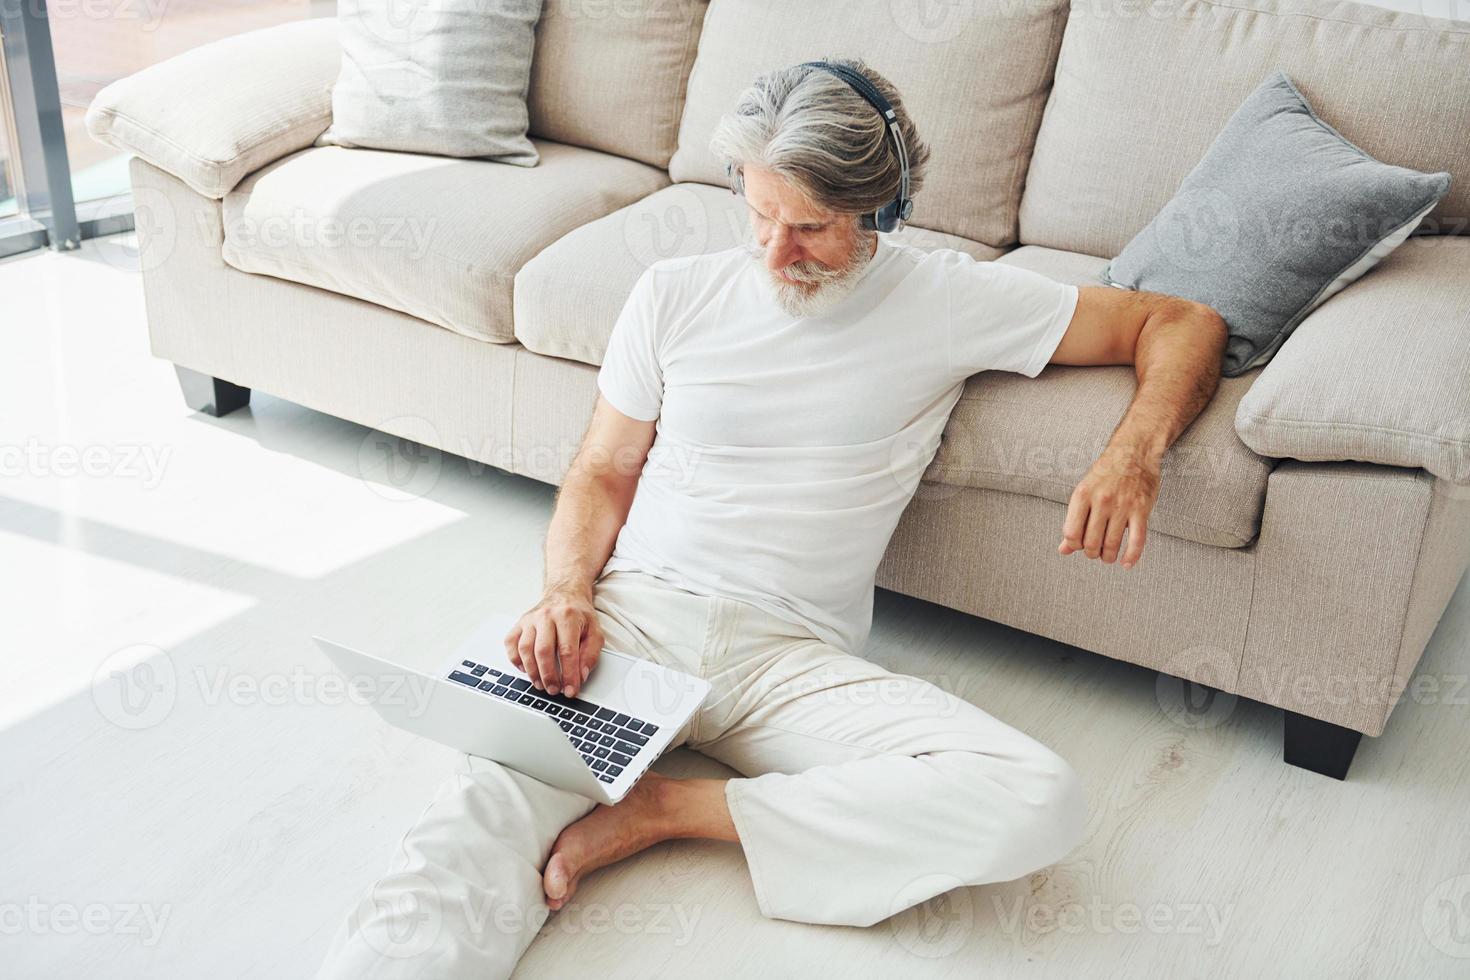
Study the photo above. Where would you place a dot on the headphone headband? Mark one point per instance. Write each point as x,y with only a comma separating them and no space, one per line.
891,216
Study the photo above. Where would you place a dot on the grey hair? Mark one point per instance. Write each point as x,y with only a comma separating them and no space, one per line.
816,131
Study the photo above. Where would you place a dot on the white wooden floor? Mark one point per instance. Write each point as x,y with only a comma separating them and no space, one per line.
183,794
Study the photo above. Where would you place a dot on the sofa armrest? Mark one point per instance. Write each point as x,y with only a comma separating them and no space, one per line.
212,115
1380,373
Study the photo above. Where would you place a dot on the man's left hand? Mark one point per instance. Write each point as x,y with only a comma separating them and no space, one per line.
1117,493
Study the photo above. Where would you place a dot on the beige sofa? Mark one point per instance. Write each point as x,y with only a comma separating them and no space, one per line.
1313,522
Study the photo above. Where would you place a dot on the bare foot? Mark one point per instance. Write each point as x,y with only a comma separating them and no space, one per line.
606,835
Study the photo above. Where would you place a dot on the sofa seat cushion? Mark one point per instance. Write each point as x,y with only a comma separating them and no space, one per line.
435,237
1039,437
568,297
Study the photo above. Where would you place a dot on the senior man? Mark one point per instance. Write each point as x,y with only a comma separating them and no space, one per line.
764,416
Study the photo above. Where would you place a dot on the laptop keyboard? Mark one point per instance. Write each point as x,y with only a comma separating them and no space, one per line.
607,739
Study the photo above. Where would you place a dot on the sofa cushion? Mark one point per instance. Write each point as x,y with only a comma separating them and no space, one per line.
973,76
1378,373
611,76
1039,437
1275,165
568,297
1138,100
436,237
450,79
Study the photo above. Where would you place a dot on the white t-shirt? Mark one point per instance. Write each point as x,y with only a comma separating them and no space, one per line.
787,448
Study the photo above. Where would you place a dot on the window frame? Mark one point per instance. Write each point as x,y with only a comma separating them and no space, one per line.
30,101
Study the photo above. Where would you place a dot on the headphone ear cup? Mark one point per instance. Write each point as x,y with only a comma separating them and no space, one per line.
884,219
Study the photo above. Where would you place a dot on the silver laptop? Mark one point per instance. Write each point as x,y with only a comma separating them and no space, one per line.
597,744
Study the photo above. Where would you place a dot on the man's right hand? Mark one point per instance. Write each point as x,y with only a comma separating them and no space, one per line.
557,642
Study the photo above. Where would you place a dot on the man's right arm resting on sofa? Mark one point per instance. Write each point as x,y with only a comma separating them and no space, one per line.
558,641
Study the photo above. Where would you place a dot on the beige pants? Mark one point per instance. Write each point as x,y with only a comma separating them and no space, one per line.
866,792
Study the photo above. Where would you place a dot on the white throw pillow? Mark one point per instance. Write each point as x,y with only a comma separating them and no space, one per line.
447,77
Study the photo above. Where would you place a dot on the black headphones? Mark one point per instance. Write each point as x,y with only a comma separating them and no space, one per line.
891,216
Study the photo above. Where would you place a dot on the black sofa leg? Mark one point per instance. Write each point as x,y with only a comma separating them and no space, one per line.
212,396
1319,745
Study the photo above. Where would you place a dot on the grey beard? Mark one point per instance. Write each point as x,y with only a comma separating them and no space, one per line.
819,290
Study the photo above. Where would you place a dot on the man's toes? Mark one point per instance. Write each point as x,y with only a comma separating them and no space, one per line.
557,881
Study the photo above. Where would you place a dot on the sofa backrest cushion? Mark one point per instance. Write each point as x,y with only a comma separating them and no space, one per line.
1142,89
610,74
974,77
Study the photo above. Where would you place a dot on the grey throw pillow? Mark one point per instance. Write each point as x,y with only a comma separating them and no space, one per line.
1281,213
447,77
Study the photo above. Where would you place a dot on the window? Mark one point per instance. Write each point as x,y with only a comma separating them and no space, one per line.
57,184
8,193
